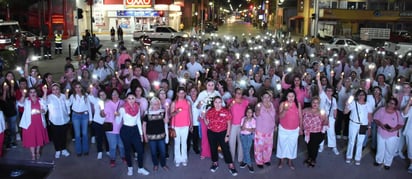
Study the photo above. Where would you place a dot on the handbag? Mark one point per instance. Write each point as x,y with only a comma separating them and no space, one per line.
363,129
107,126
172,133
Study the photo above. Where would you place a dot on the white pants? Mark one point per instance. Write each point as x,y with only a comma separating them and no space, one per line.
330,133
233,138
408,141
354,137
386,150
401,142
181,144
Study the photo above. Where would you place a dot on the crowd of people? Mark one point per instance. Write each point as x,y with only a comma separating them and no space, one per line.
217,95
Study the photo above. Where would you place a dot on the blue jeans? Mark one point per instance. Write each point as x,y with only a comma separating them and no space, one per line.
12,125
114,141
246,141
80,125
158,147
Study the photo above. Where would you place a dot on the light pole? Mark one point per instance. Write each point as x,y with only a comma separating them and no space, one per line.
315,28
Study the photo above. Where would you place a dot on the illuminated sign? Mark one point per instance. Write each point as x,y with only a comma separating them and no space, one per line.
131,13
137,3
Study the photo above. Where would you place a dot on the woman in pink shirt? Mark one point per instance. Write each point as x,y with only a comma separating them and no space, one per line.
290,126
313,121
111,109
181,112
389,122
297,87
236,106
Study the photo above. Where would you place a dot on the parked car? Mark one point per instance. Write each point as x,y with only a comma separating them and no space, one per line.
348,44
160,33
30,37
209,27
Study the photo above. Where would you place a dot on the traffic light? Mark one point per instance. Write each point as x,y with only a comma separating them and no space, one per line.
79,13
313,16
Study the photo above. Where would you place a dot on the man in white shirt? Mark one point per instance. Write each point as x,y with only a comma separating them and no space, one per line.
193,66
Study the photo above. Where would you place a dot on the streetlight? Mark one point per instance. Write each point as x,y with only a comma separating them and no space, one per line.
211,11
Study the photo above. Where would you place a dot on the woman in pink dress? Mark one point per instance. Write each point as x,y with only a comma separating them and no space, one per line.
265,127
33,123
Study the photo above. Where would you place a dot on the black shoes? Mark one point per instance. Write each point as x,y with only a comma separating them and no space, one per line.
243,165
251,169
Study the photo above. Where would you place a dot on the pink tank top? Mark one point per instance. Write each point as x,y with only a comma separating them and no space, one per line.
290,120
182,119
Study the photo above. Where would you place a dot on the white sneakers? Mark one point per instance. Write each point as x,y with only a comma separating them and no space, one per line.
129,171
65,153
410,168
57,155
142,171
320,148
99,155
335,150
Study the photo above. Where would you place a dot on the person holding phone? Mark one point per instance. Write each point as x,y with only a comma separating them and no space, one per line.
389,121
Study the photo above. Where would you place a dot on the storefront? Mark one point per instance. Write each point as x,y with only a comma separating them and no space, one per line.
131,15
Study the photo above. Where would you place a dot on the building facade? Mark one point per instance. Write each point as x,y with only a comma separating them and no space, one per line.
346,17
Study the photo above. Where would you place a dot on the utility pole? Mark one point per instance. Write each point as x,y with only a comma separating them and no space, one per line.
316,6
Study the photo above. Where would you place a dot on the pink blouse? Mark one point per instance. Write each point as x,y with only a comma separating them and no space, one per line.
312,123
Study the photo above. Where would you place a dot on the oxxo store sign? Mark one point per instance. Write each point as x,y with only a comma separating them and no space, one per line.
137,3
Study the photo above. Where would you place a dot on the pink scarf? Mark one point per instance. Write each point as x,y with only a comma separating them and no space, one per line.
131,109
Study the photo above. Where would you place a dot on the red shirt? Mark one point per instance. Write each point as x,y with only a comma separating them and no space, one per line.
218,119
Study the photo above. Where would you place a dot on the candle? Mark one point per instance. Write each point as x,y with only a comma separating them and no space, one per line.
12,81
322,112
342,74
332,73
258,105
286,105
24,91
350,99
228,74
101,105
67,91
179,109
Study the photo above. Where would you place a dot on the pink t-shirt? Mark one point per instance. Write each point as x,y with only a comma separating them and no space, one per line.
237,110
182,118
248,124
290,120
392,119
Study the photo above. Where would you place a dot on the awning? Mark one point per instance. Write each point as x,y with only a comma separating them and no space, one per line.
295,18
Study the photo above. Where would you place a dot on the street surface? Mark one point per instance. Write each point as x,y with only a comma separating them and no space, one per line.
88,167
